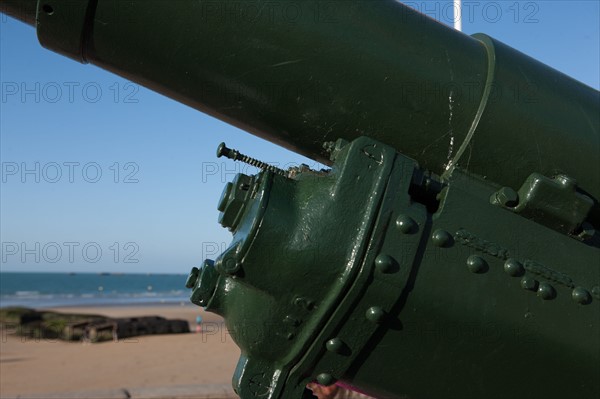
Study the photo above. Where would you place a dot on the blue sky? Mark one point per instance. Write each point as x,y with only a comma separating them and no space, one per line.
153,207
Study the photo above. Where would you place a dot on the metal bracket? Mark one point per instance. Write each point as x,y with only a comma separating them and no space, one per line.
555,203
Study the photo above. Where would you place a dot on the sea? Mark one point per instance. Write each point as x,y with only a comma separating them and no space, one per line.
42,290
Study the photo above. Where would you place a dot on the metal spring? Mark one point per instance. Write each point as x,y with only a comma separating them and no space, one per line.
230,153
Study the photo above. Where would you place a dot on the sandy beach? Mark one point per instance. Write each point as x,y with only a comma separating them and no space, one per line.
30,366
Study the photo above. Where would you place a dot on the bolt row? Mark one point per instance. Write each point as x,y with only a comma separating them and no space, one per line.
386,264
476,264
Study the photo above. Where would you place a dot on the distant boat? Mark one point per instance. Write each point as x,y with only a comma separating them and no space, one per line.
104,274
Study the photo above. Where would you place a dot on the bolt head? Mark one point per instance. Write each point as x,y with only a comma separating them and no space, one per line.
233,201
442,238
224,197
587,231
529,283
477,264
514,268
406,224
581,296
507,197
206,284
546,291
229,265
221,150
192,278
385,264
335,345
326,379
375,314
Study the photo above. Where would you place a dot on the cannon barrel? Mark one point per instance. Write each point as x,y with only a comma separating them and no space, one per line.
23,10
303,73
413,266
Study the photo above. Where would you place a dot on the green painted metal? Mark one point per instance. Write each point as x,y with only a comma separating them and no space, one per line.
450,252
23,10
302,73
470,300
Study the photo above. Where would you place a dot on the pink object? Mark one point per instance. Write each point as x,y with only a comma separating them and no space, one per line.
349,387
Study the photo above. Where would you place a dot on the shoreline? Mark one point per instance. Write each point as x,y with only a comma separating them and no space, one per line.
95,302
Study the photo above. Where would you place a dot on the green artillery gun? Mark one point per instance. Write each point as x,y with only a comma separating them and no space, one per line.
450,250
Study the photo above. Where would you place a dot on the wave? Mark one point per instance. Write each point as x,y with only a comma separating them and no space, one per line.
38,300
26,293
54,289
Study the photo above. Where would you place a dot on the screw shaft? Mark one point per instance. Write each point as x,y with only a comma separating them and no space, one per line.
230,153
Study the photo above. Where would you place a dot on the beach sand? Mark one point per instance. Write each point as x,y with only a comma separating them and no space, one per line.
29,366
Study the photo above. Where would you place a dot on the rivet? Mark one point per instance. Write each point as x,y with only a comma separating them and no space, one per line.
546,291
441,238
385,263
335,345
514,268
375,314
581,296
325,379
529,283
406,224
476,264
